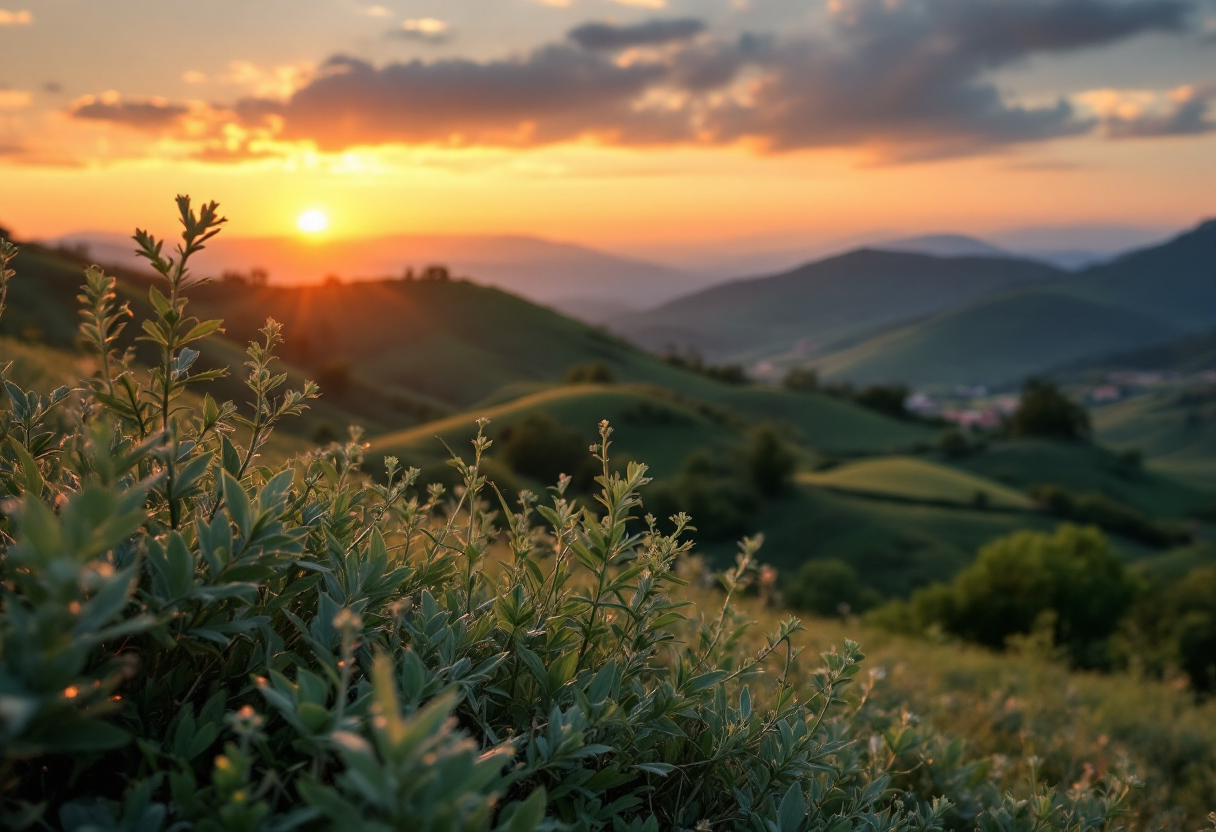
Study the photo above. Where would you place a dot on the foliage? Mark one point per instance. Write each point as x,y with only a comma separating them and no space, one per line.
801,380
1045,412
887,399
712,489
190,638
1067,586
1109,514
1174,626
595,373
769,461
541,447
828,587
693,362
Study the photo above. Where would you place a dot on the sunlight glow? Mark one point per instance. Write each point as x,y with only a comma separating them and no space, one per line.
312,222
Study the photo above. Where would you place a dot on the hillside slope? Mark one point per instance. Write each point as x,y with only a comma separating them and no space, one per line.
996,340
824,303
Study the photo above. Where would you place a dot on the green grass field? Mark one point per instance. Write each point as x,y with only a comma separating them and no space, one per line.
1081,467
918,480
1174,428
648,426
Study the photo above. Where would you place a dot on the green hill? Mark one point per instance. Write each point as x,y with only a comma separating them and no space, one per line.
1080,467
1174,427
825,303
918,480
1174,281
649,425
998,339
1190,354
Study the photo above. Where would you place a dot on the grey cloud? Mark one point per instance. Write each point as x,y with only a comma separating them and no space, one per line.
1191,116
911,76
151,115
611,37
554,93
911,79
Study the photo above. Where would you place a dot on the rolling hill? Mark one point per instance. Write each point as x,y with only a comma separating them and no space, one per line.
824,304
918,480
887,316
997,339
545,271
1174,427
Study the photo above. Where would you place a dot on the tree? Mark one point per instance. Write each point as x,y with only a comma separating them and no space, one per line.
543,448
828,587
1045,412
769,461
594,373
801,380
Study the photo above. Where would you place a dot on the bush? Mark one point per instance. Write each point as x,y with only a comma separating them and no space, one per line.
769,461
540,447
595,373
828,587
1068,582
193,638
1109,514
1045,412
887,399
801,380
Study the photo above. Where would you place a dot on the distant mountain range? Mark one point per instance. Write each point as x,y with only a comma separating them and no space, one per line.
929,319
583,281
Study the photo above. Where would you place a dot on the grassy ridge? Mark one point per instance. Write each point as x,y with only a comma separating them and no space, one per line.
919,480
1175,428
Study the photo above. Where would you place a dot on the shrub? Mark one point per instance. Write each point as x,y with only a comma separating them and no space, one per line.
1068,582
828,587
1045,412
801,380
541,447
1107,513
191,637
769,461
334,376
595,373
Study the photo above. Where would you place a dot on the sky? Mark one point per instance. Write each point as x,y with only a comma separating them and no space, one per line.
644,126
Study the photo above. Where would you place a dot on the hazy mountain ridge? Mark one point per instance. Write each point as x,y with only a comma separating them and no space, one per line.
997,321
541,270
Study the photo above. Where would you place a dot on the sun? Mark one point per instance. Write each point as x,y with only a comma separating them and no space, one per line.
312,221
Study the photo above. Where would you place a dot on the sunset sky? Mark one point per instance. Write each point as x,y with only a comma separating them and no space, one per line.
636,125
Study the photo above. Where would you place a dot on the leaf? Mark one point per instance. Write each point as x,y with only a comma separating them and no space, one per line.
792,810
238,505
29,468
662,769
528,815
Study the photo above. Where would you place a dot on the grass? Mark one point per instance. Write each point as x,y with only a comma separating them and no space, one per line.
895,547
1082,467
1009,706
998,339
1174,429
662,441
918,480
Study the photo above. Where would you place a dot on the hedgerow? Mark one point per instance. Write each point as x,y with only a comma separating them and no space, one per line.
194,637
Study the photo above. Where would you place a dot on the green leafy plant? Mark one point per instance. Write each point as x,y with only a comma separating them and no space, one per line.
193,637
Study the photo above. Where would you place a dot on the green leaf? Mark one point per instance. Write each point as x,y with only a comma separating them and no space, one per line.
528,815
239,506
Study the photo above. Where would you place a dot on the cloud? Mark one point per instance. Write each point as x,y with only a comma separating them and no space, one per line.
9,18
153,115
377,11
425,29
912,78
643,4
905,79
552,94
1144,114
610,37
